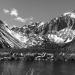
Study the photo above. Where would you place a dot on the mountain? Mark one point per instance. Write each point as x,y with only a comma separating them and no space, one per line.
58,32
19,37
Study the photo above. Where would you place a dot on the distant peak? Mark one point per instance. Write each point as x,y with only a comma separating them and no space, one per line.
71,14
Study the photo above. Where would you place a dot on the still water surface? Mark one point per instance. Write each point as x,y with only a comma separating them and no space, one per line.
36,68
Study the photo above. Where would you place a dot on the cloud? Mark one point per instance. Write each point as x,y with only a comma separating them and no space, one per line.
20,19
6,11
23,20
14,12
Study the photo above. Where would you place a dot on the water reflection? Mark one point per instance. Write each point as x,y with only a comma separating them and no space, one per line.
64,68
36,68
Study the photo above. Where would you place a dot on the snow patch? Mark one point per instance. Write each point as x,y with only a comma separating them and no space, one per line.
55,38
42,23
21,38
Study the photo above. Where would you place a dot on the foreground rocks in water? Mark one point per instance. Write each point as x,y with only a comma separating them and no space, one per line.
30,57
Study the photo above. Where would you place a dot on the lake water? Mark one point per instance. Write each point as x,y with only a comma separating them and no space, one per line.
36,68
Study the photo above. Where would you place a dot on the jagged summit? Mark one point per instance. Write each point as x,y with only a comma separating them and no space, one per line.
70,14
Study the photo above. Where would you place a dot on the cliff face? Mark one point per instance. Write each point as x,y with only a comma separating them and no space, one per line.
7,37
59,31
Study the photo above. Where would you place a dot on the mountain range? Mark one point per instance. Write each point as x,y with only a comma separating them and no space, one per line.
57,33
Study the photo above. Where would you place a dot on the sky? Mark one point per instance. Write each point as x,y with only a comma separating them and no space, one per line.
43,10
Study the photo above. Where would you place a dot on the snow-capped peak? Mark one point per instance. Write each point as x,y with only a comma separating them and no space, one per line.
71,14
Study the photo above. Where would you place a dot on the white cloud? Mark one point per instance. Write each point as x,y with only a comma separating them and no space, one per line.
20,19
6,11
14,12
23,20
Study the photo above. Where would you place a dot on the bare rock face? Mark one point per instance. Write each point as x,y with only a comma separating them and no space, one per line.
7,40
63,27
65,20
